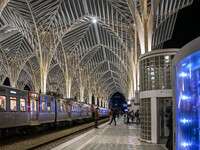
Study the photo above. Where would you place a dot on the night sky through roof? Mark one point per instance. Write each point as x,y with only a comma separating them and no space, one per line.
187,26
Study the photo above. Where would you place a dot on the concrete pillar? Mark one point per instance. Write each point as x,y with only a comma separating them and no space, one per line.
68,86
99,102
90,97
105,104
154,120
95,100
82,93
43,83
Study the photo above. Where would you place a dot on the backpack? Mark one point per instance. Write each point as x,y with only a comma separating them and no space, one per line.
110,113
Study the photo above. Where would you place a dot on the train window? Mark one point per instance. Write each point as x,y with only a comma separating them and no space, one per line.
13,104
61,106
43,107
68,108
48,106
22,105
64,107
2,103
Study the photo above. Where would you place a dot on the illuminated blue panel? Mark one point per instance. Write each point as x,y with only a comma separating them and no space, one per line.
187,86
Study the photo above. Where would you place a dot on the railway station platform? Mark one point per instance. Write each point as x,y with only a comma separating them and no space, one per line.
110,137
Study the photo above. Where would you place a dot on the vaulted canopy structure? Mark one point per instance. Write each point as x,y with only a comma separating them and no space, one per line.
81,47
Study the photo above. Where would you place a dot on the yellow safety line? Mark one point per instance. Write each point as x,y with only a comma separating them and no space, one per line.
34,124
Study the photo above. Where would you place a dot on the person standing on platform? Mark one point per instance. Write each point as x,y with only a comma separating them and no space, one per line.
169,124
128,116
125,118
96,117
121,113
92,107
137,115
113,117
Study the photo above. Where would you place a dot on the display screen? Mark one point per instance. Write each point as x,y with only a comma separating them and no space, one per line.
187,88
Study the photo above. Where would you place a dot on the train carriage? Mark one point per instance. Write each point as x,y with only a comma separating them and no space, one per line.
41,108
76,110
63,112
20,108
85,111
47,109
13,107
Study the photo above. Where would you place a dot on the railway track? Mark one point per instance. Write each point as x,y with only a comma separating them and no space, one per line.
37,142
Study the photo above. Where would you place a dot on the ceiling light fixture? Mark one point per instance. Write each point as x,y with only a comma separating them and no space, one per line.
94,20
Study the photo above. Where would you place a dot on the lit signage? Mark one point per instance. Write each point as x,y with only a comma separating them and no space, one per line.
2,97
124,105
13,92
34,95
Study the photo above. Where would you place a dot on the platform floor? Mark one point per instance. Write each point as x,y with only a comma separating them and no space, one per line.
110,137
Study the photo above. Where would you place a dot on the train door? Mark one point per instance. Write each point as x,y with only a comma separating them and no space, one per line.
33,109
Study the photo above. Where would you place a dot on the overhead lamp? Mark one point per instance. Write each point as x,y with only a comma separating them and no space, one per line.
94,20
183,74
13,92
129,102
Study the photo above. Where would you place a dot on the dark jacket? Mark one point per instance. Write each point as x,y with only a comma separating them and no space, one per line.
114,114
137,113
96,114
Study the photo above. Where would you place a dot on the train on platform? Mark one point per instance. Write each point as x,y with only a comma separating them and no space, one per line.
20,108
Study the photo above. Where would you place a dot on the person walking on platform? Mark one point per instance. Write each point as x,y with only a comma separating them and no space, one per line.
132,115
113,117
128,116
110,114
96,117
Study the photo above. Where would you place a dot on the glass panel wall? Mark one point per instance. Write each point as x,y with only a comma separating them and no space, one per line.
155,72
145,118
